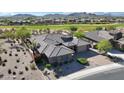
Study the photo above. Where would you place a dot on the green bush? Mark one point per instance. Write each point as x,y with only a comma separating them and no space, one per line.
82,60
32,66
48,66
73,28
79,34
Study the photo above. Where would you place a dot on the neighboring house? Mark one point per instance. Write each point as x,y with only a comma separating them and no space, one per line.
59,48
115,37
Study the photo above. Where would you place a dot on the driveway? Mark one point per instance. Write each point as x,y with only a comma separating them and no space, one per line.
89,72
116,53
115,74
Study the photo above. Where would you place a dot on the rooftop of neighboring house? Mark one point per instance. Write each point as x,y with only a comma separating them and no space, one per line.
99,35
121,40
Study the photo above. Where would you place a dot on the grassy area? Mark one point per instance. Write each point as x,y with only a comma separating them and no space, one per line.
83,27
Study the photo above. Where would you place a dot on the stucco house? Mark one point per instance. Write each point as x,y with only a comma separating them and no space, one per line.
115,37
58,48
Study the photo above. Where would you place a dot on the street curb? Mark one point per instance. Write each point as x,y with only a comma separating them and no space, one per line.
92,71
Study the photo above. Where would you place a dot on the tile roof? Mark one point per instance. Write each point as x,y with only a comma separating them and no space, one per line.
98,35
49,44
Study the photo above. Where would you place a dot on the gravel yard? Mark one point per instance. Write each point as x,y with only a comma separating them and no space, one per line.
16,64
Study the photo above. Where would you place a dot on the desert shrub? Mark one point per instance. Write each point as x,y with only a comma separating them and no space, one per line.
79,34
3,64
18,50
10,54
5,52
82,60
23,78
20,72
48,66
15,67
9,71
5,60
17,60
16,54
32,66
26,68
1,75
14,73
11,44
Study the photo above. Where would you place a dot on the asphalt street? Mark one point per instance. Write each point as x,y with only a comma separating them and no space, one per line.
116,74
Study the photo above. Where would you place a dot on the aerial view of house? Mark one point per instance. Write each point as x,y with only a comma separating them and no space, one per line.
64,46
59,46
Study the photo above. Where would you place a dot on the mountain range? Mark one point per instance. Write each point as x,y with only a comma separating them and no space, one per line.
63,15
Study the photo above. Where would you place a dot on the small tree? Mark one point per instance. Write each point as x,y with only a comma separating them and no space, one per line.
9,35
79,34
99,28
104,46
73,29
110,28
23,33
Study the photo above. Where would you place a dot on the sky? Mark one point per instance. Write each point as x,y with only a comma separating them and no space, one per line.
33,13
61,5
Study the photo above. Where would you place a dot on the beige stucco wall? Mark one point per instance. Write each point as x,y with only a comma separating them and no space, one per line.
61,59
82,48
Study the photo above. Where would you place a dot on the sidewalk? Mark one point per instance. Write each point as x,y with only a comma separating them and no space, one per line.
85,73
116,53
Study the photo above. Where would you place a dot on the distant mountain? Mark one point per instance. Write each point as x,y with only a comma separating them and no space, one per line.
82,14
54,16
116,14
23,15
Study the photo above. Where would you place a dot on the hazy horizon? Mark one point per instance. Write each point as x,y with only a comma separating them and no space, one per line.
45,13
32,13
